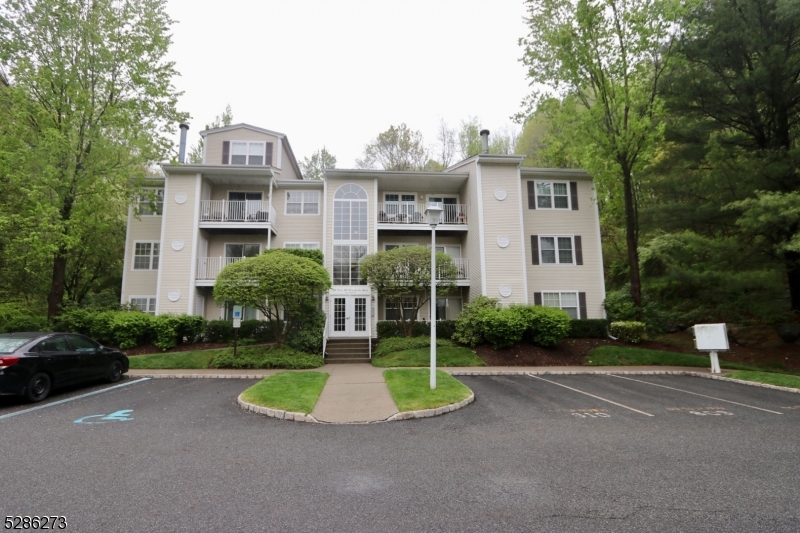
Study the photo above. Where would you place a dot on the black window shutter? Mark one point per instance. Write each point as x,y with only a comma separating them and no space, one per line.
268,160
582,304
531,196
573,192
535,249
537,298
578,250
226,152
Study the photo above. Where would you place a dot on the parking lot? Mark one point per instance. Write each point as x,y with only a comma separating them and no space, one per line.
551,453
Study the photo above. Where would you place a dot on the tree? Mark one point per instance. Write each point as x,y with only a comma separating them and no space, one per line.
314,168
448,143
399,275
90,96
501,141
397,148
196,151
280,284
607,57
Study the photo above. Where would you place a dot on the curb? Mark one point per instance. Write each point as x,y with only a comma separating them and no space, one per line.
200,376
743,382
275,413
427,413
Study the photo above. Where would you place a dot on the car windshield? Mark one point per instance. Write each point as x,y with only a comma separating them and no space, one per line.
10,344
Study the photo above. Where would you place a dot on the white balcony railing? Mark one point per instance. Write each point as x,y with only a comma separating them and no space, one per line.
236,211
462,268
414,213
210,267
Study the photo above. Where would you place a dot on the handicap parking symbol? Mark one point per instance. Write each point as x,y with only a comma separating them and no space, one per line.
118,416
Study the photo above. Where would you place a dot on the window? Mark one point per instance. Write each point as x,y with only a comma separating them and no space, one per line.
82,344
556,250
447,308
346,265
552,195
388,247
350,213
242,250
568,301
53,344
393,308
247,153
151,202
302,203
146,304
145,255
248,313
302,245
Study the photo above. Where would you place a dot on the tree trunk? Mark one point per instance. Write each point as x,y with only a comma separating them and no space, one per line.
632,241
56,295
792,260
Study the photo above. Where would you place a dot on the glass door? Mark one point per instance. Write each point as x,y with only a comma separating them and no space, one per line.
350,316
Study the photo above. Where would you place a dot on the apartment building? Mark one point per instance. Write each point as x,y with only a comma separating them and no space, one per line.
522,235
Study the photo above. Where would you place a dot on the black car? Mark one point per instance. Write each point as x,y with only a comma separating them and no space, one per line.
32,364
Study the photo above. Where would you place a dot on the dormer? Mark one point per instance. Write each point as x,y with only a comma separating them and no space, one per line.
246,145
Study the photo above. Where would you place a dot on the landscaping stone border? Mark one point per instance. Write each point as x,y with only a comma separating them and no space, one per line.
275,413
203,376
427,413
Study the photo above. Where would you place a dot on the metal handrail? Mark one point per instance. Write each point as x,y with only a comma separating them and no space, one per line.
325,337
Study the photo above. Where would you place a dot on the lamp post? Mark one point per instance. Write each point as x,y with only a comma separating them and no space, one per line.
433,212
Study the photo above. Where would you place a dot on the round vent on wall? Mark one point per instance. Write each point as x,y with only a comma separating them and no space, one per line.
505,291
180,198
174,295
177,245
502,241
500,194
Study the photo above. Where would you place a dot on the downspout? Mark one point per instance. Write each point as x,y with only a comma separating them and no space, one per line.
269,210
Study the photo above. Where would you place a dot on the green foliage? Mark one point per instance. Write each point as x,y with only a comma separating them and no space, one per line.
445,356
469,324
781,380
411,391
313,255
258,330
444,329
242,341
503,327
289,391
18,316
399,344
314,168
278,284
588,328
630,356
75,320
186,360
220,330
165,328
397,148
131,329
544,326
630,331
619,307
306,335
101,327
266,357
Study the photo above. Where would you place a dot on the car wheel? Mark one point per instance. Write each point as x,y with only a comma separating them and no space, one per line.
115,371
38,387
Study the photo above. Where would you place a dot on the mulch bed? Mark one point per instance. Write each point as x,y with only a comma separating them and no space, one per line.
149,349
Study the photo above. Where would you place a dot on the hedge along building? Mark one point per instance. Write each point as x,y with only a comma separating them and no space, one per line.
522,235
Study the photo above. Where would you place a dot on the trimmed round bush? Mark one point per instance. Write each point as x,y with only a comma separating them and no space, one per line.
545,326
131,329
503,328
630,331
469,328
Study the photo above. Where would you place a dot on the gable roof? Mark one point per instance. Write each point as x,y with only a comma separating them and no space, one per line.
240,126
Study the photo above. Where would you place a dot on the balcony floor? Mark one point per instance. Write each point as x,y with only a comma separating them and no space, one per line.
422,227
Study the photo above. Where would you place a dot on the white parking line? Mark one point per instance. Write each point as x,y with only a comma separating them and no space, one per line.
592,395
71,399
696,394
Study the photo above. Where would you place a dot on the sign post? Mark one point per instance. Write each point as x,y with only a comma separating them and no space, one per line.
711,338
237,323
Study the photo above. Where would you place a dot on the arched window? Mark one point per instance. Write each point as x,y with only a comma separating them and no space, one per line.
350,233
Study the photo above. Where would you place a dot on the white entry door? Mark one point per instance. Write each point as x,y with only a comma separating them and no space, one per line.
350,316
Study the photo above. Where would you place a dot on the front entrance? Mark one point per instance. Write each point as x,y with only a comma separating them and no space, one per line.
349,316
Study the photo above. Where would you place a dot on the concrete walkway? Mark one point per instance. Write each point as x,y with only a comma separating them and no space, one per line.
357,393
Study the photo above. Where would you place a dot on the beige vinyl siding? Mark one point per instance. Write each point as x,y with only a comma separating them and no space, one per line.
214,143
140,282
501,219
216,243
179,223
297,228
586,278
472,247
220,192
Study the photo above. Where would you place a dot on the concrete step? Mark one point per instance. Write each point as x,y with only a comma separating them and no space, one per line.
346,360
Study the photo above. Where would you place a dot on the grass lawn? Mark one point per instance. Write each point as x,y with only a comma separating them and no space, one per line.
410,389
782,380
188,360
290,391
625,356
445,356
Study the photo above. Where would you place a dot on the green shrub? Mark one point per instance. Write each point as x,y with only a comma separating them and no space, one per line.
619,308
546,326
629,331
242,341
503,327
265,357
399,344
444,329
20,316
101,327
469,327
165,328
190,328
131,329
258,330
588,328
219,330
306,335
76,320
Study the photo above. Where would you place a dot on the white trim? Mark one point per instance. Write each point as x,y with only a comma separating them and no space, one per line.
242,125
560,292
163,230
195,236
552,196
443,195
302,203
600,251
247,155
555,243
229,191
279,155
374,217
163,201
125,255
481,231
148,296
522,238
133,256
301,244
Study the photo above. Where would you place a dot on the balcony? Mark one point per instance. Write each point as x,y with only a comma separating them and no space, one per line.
232,214
407,215
208,268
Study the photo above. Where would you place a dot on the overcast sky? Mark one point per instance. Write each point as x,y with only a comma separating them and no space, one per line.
335,73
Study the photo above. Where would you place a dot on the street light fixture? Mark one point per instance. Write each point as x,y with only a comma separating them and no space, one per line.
433,212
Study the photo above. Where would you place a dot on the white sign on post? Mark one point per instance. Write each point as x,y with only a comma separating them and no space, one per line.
711,338
237,323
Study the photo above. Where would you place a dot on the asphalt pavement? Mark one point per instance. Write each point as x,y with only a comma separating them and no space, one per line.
547,453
